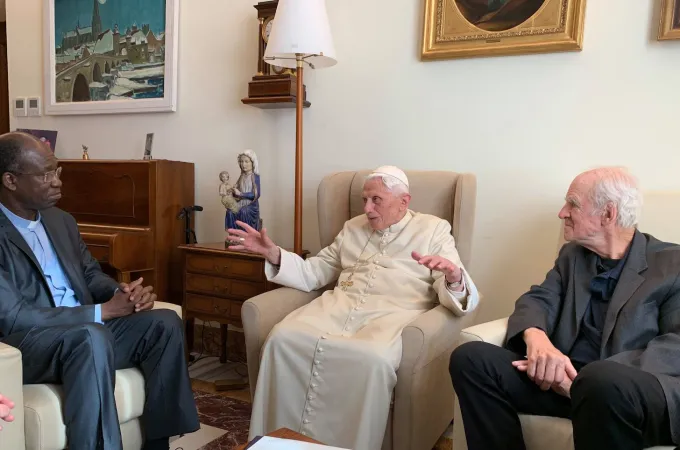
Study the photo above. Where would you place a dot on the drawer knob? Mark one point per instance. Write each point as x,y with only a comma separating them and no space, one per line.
219,269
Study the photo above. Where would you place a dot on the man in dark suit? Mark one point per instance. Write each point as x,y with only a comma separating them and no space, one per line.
75,325
597,342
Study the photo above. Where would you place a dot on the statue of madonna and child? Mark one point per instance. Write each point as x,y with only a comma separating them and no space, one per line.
241,200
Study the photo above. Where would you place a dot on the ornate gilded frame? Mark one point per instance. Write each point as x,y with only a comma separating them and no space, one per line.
670,12
556,26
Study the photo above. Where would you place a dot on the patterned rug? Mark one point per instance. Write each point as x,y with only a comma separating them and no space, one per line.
224,424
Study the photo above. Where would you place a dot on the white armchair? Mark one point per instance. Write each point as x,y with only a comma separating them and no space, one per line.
540,432
38,423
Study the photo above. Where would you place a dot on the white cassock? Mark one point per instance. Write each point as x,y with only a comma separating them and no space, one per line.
329,368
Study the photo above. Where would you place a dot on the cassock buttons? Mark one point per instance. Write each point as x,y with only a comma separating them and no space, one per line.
363,300
314,385
320,350
317,362
305,421
374,276
346,328
370,285
324,337
304,433
310,397
316,374
351,319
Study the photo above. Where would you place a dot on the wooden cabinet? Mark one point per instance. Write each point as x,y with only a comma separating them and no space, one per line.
216,283
127,215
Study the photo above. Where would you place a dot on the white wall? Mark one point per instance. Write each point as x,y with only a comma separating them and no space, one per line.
525,125
211,125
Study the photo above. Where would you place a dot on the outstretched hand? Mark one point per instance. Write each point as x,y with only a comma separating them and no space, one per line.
452,272
251,240
6,406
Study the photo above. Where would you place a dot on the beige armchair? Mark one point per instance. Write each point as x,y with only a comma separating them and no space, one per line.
423,399
660,215
38,421
540,432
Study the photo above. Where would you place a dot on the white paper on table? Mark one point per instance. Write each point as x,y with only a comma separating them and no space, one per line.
272,443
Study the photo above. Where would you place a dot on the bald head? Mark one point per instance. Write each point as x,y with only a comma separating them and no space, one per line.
15,148
601,210
617,186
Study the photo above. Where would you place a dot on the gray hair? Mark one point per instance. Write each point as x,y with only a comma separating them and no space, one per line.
618,186
393,184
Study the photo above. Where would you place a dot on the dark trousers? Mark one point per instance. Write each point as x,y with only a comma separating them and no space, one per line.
84,358
612,406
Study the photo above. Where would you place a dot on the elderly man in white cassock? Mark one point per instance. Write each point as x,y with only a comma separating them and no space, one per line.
329,368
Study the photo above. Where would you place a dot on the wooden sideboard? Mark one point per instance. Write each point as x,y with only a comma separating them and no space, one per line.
127,215
216,283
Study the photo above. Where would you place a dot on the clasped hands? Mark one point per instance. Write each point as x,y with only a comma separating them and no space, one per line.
545,365
6,406
128,299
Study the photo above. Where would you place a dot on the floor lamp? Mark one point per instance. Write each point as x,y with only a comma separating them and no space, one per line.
300,37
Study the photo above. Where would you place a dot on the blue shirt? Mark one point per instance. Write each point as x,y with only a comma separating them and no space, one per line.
35,236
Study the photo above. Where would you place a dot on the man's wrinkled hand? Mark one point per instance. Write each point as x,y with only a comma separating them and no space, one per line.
6,406
451,271
545,365
563,387
253,241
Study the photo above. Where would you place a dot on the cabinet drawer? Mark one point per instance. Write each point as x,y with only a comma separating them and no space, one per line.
226,267
213,305
223,287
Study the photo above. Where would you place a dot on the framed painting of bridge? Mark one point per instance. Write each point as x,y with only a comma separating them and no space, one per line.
110,56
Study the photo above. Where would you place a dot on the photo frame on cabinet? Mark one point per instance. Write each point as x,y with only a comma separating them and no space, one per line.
669,28
472,28
122,60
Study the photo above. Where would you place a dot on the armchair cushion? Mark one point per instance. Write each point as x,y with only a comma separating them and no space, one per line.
12,434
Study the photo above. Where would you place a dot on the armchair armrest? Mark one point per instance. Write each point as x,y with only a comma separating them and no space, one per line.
430,335
423,383
172,306
492,332
260,314
11,381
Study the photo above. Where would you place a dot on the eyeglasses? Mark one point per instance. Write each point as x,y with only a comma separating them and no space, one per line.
47,177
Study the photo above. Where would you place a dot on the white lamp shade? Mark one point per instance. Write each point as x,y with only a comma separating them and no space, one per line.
300,27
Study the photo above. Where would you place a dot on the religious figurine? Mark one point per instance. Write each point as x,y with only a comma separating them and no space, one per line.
227,193
85,155
247,193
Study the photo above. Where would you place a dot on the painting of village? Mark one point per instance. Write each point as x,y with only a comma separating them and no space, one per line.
109,50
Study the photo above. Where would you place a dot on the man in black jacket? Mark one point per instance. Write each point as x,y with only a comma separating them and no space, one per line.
73,324
597,342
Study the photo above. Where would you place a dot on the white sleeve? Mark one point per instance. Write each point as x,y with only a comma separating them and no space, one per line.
460,303
310,274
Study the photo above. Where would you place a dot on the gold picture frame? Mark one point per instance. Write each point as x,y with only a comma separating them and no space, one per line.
471,28
669,28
